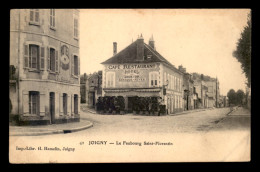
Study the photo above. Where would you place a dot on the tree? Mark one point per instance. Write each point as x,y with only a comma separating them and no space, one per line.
232,97
240,95
243,50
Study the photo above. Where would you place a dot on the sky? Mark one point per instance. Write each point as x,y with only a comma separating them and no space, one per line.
201,40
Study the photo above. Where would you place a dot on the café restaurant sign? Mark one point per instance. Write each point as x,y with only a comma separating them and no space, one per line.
131,72
131,66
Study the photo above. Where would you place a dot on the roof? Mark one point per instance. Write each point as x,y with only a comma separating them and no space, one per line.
129,55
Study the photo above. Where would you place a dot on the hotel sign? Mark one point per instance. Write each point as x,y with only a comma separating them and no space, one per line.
132,75
131,72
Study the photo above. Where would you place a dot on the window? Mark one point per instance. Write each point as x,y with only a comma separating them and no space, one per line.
52,18
76,28
168,78
153,76
52,60
34,56
65,98
34,102
173,82
75,104
175,101
165,79
177,84
179,101
170,81
110,79
76,65
34,16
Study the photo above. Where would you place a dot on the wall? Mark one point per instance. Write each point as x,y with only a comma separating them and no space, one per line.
43,35
45,87
174,94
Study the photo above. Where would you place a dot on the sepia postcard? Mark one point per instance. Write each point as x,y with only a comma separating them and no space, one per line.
129,85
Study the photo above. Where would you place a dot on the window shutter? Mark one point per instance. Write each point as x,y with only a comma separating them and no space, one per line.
26,56
31,15
78,66
41,101
25,102
56,61
53,19
42,54
36,15
72,65
48,58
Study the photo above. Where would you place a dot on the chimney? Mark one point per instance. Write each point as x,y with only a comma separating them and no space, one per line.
182,69
151,42
140,48
114,48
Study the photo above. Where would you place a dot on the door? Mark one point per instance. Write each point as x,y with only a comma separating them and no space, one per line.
94,99
52,107
130,104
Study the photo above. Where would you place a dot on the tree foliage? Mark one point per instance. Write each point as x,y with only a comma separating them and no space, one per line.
231,96
240,95
236,98
243,50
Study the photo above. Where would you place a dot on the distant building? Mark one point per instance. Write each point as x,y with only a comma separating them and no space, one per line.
212,93
94,88
202,93
44,58
188,88
83,90
139,70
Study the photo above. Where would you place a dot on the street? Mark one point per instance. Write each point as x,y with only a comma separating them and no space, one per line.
198,136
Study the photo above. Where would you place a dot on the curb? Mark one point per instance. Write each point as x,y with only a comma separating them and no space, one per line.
52,132
91,111
187,112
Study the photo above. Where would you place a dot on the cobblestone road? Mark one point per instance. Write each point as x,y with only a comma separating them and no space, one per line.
191,122
195,137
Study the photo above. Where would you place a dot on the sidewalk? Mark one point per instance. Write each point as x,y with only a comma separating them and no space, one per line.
84,108
238,119
190,111
49,129
240,111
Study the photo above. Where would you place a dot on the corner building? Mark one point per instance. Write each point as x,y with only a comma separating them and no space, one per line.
139,70
44,50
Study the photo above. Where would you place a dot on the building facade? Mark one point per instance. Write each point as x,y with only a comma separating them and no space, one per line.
202,93
94,88
44,50
188,88
213,92
83,91
139,70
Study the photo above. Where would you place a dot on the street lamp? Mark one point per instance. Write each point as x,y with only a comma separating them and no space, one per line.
165,87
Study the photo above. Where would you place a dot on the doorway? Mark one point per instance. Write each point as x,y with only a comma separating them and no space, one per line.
93,99
130,104
52,107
